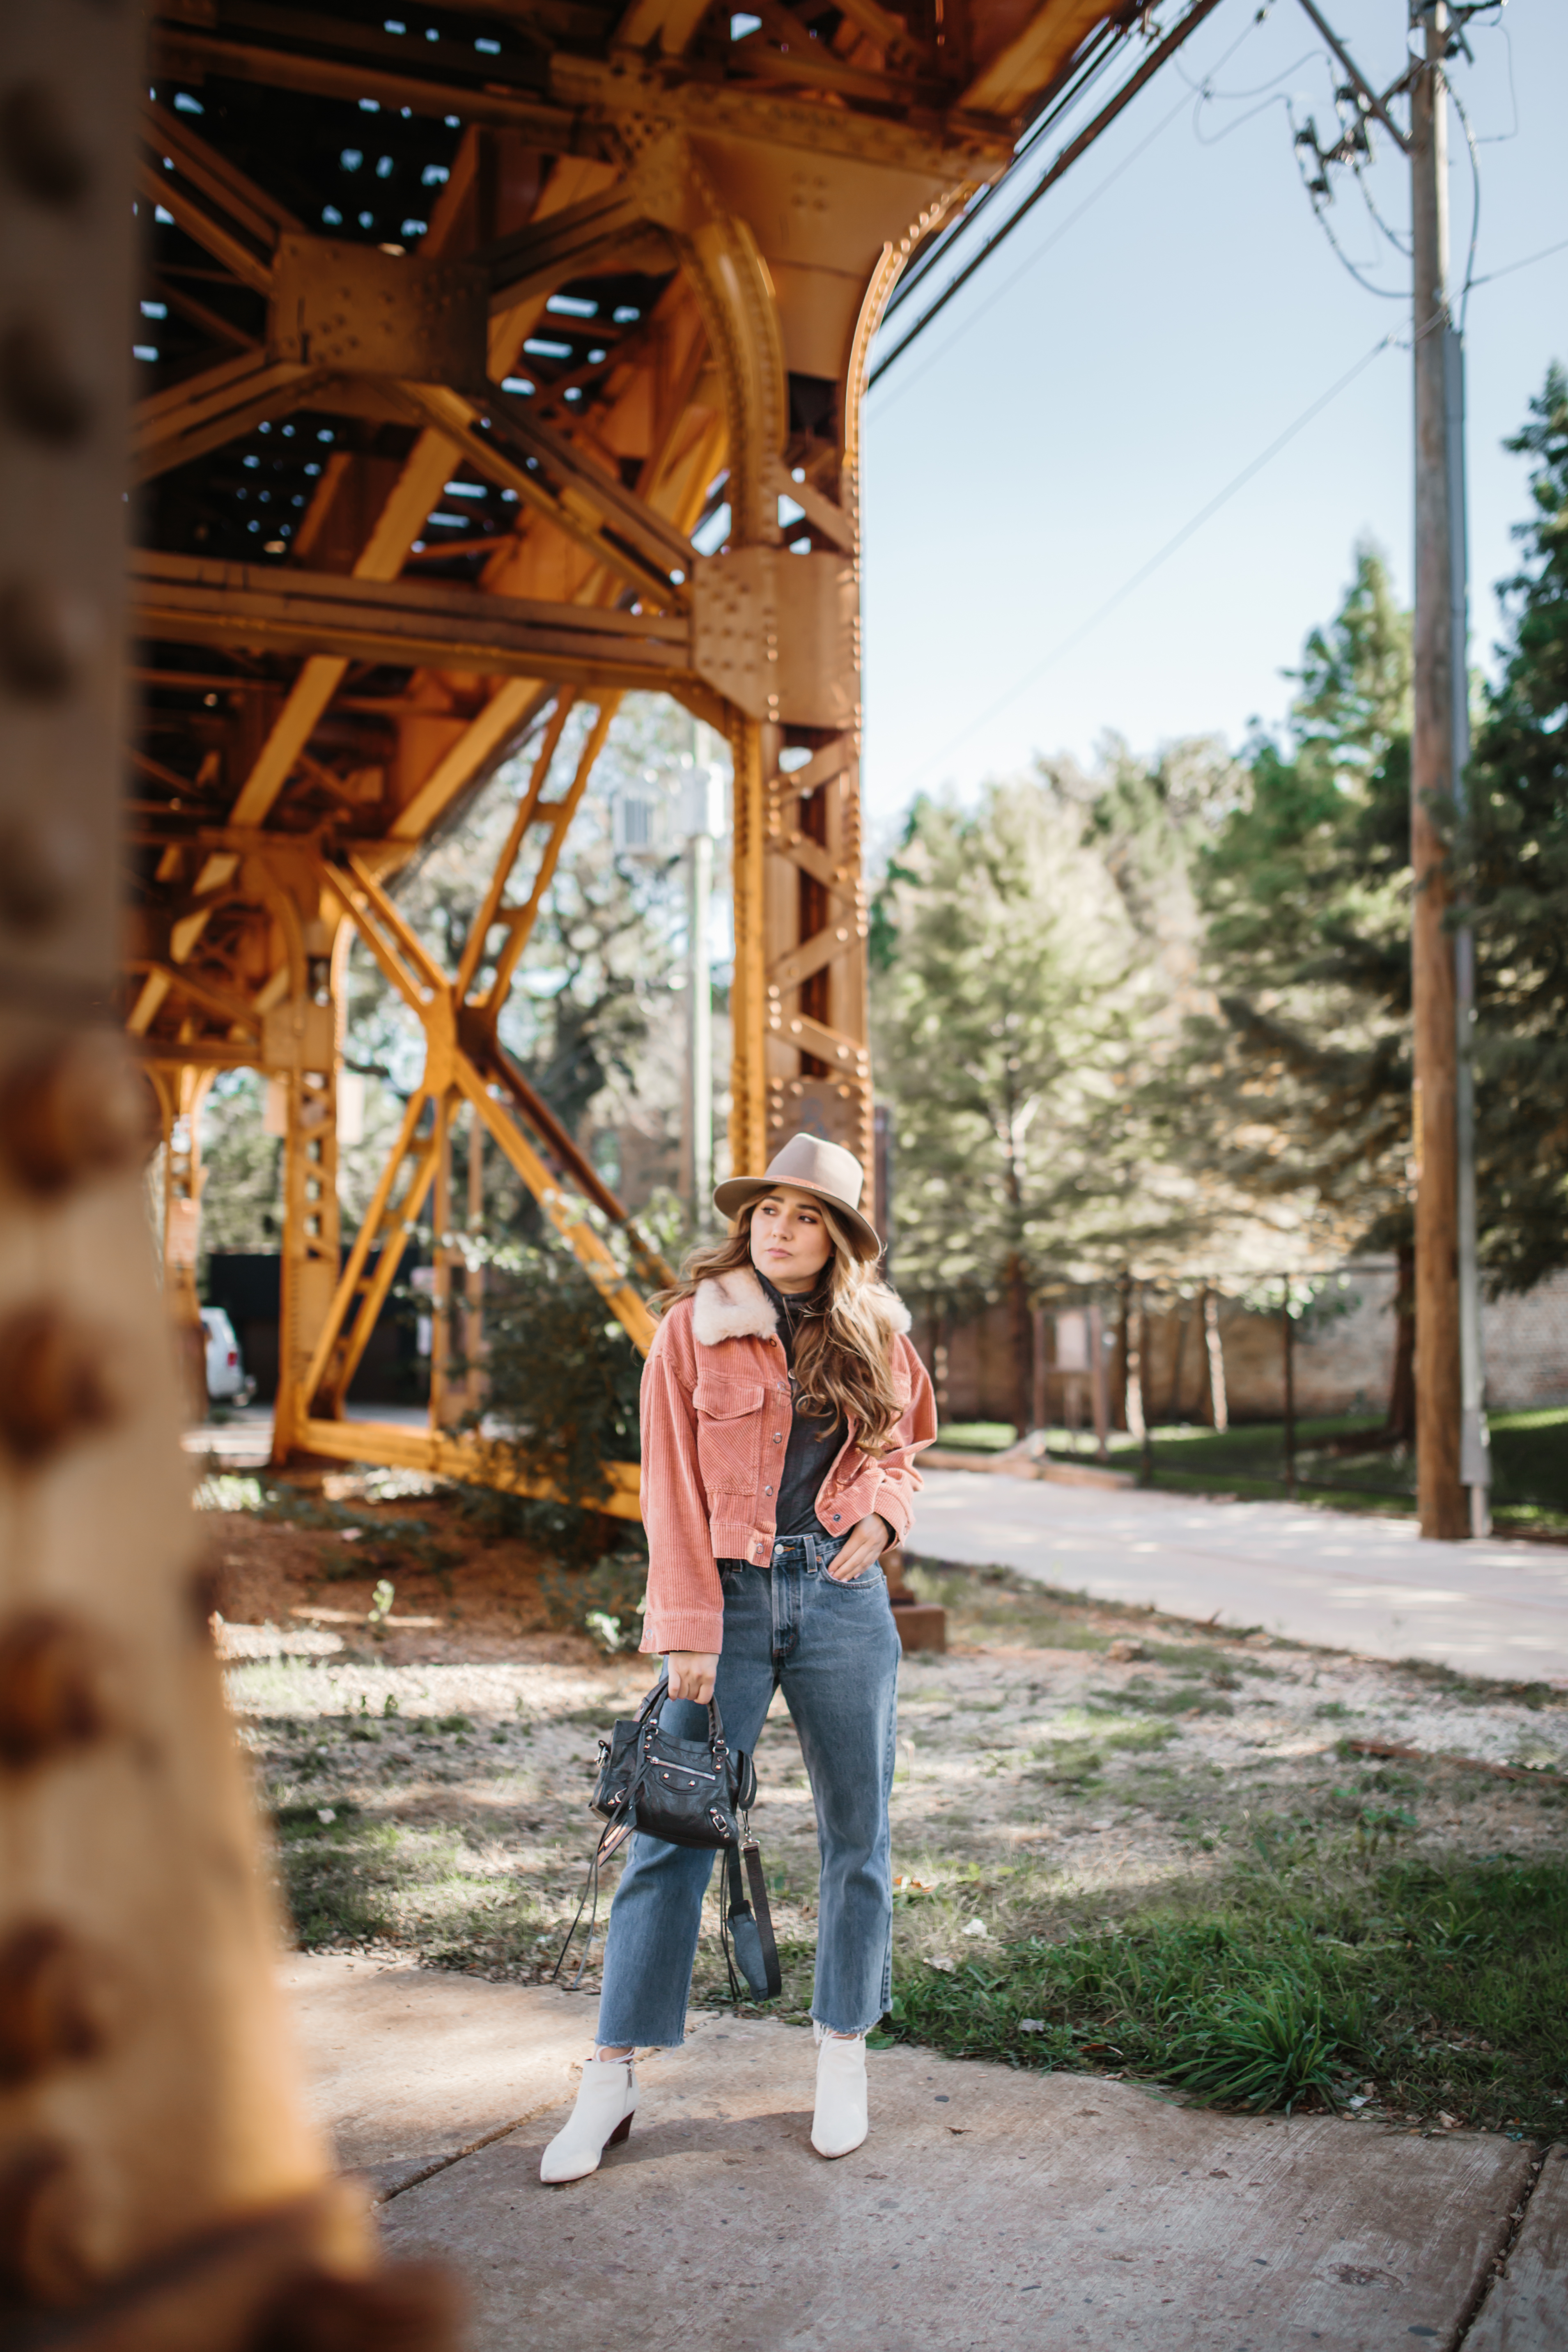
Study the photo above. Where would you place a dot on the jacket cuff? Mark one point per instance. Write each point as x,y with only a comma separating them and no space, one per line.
702,1631
890,1503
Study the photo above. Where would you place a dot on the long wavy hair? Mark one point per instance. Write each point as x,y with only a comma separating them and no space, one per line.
842,1349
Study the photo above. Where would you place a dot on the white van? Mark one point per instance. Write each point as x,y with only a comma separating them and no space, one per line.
226,1381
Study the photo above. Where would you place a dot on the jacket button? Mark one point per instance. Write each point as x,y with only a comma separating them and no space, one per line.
767,1490
778,1439
835,1518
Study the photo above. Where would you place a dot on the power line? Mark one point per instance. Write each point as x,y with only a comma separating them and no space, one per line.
1528,262
1144,571
1091,71
907,382
1053,173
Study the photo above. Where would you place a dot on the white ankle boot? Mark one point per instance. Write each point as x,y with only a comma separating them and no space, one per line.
840,2122
607,2101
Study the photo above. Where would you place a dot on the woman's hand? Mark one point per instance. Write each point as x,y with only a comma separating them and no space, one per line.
691,1673
867,1540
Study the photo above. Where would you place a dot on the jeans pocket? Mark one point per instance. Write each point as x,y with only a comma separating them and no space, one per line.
871,1572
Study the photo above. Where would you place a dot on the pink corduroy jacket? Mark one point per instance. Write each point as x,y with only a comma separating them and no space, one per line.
716,1418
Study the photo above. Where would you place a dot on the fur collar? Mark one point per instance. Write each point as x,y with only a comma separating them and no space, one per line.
732,1306
735,1305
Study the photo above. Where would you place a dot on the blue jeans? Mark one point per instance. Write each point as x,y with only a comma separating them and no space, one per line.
833,1649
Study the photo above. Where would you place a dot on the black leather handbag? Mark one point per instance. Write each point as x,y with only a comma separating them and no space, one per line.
687,1791
693,1792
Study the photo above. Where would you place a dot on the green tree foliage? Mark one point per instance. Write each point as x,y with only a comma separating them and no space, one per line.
597,972
1514,861
242,1199
563,1382
1004,1026
1295,1089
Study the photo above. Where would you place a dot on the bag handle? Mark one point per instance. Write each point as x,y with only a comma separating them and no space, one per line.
652,1704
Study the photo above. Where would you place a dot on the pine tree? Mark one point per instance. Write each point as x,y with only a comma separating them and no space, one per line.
1008,987
1302,1073
1295,1090
1514,864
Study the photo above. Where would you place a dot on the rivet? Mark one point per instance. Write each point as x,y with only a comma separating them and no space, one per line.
53,1687
44,637
59,2001
56,1380
406,2308
80,1110
40,147
43,2217
43,862
41,396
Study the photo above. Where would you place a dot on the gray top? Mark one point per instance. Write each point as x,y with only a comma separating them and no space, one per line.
813,1443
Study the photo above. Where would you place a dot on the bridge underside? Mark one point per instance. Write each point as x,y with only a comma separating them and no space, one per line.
464,323
396,519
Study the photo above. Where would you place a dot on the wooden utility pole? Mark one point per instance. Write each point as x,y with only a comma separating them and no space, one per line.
1438,663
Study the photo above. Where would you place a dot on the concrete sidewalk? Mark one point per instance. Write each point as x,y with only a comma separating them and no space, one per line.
988,2208
1350,1582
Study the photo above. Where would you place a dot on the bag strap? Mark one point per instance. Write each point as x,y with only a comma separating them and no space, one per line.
756,1910
758,1886
612,1837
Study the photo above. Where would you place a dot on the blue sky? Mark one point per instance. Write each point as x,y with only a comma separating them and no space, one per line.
1045,439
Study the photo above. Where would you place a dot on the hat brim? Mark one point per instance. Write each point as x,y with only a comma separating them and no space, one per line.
740,1192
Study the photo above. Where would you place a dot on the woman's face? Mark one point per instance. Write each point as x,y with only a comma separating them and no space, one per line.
790,1240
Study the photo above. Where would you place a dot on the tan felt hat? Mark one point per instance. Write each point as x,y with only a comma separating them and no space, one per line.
812,1166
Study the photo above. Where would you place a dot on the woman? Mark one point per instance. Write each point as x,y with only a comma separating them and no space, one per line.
782,1408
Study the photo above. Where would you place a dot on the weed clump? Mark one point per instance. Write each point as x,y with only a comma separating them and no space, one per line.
1441,1985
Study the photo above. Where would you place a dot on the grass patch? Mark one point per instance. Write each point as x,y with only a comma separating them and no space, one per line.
1529,1453
1186,1698
381,1542
1445,1985
977,1436
361,1878
992,1606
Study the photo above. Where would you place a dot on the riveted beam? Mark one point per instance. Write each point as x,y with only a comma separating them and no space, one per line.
193,601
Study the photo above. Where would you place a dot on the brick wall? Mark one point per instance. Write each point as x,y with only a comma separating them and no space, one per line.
1343,1356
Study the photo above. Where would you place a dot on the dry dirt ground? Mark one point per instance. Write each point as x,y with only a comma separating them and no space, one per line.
429,1762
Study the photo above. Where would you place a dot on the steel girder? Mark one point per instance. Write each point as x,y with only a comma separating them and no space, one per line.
324,691
160,2182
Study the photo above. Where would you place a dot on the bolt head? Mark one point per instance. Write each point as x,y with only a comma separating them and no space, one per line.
43,2227
47,637
61,2001
44,863
54,1687
80,1110
42,151
60,1379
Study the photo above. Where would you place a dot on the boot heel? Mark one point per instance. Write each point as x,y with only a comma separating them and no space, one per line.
606,2094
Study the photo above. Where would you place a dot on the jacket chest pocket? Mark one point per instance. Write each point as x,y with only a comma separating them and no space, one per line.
729,1434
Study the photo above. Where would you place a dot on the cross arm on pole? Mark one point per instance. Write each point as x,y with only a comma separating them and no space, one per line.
1363,89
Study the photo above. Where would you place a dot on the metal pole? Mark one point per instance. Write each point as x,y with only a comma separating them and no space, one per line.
700,984
1219,1408
1475,1442
1439,1495
1100,1391
441,1261
1288,1337
1138,1388
474,1278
